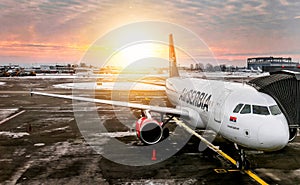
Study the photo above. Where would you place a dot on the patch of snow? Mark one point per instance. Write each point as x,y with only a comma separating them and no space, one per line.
4,113
14,109
52,76
2,83
63,148
4,96
189,74
297,172
39,144
118,134
14,135
57,129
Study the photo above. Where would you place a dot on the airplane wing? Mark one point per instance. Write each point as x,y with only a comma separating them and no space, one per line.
151,83
172,111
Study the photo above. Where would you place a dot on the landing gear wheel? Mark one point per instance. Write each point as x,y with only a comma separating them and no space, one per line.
247,164
242,163
239,164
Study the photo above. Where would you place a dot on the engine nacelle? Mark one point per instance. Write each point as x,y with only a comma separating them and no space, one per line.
149,131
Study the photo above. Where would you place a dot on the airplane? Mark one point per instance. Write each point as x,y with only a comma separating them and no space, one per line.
236,111
258,70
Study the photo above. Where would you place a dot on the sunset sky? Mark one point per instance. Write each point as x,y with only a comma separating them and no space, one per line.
54,31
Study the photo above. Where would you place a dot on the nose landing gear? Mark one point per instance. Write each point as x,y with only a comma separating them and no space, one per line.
242,163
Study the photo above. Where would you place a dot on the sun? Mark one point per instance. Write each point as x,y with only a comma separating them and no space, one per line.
137,52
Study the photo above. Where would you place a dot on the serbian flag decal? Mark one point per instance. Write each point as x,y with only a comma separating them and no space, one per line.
232,118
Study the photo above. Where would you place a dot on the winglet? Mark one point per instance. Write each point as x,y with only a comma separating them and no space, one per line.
173,70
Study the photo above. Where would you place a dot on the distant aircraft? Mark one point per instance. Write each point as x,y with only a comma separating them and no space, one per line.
238,112
258,70
251,70
245,70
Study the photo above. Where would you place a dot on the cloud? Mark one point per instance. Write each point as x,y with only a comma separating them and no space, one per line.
238,26
284,2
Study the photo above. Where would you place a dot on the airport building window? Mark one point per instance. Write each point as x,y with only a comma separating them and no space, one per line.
261,110
275,110
238,108
246,109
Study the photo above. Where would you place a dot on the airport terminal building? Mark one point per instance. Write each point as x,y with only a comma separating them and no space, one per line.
270,64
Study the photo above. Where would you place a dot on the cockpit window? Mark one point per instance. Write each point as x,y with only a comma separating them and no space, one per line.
262,110
246,109
275,110
238,108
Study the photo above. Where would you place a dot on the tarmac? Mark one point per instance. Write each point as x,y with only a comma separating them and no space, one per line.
40,143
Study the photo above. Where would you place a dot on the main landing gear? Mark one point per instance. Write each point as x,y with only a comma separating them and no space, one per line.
242,163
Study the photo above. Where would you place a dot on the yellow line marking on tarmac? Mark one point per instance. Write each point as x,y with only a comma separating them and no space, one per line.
221,170
233,170
11,117
217,150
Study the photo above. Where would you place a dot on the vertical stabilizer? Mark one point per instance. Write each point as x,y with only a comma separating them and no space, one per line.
173,71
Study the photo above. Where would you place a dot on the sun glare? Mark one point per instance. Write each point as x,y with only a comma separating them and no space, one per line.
137,53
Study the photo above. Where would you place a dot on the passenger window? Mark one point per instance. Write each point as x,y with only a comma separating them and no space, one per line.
261,110
238,108
275,110
246,109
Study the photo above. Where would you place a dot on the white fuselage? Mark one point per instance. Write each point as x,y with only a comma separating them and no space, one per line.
213,104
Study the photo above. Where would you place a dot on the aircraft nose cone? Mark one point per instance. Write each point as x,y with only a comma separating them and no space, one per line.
273,137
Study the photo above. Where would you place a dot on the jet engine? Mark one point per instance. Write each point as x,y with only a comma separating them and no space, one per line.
149,131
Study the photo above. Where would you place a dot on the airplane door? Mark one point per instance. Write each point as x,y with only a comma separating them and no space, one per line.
219,107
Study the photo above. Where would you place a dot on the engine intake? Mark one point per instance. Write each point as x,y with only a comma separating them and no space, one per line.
149,131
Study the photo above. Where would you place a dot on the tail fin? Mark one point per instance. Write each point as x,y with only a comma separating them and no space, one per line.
173,70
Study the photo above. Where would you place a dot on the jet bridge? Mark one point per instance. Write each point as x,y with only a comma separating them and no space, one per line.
284,87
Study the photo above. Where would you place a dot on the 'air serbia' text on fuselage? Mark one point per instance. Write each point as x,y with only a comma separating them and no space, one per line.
196,98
